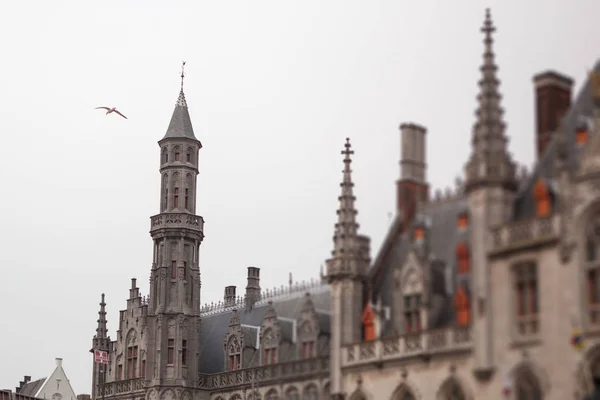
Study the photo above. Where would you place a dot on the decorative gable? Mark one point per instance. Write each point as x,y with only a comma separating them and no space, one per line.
233,343
270,336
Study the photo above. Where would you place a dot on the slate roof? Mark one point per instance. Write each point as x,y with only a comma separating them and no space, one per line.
31,388
214,327
580,111
181,124
443,237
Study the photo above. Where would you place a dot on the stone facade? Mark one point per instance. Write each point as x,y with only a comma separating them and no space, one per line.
489,291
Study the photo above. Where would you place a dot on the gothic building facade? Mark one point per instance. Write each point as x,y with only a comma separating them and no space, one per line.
490,291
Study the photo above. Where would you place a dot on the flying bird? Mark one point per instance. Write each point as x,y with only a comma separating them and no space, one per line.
111,110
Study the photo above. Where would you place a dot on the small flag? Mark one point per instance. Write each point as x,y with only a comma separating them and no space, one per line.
101,357
577,338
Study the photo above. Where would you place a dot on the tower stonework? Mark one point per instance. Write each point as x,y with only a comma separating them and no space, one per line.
490,188
174,304
346,273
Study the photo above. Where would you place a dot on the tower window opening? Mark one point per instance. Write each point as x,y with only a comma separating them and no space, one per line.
184,352
187,198
166,198
170,351
176,156
176,198
173,269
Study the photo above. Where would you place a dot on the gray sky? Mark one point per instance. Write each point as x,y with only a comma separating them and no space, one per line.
273,88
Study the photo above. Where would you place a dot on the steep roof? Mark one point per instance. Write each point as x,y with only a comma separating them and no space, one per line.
442,239
579,112
181,123
31,388
214,326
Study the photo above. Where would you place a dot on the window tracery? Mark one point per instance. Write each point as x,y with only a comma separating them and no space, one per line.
272,395
526,293
311,392
292,394
234,353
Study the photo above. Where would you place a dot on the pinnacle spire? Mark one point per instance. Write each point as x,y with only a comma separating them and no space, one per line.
101,331
490,161
346,229
181,123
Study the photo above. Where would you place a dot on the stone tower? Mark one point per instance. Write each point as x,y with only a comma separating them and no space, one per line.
173,315
346,273
101,342
490,186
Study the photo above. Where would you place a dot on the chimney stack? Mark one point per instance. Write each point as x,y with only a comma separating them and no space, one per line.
552,101
134,292
58,362
229,298
253,287
412,185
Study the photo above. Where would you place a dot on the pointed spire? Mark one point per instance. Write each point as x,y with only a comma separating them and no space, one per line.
101,331
346,229
181,123
490,162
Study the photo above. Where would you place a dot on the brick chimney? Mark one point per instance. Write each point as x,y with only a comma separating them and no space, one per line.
412,186
229,298
253,287
552,101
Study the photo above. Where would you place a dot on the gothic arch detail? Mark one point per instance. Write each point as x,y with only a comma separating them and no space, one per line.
529,381
453,389
310,392
272,395
292,393
406,391
131,339
358,395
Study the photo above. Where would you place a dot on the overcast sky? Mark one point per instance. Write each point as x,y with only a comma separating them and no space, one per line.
273,88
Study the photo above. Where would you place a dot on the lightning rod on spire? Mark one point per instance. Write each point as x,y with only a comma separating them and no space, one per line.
182,73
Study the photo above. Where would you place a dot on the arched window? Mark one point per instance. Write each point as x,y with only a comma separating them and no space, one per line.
526,386
403,393
272,395
270,347
234,353
463,258
311,392
368,320
463,307
358,395
541,194
165,155
412,289
326,391
189,155
451,390
132,355
526,298
176,153
292,394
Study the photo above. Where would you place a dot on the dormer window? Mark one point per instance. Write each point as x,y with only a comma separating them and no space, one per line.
368,320
541,194
412,313
419,233
270,348
581,134
308,349
463,221
463,258
234,354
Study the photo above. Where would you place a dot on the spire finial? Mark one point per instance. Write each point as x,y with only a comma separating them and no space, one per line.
490,160
182,74
488,26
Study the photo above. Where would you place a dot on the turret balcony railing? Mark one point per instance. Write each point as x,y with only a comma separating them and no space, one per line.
518,235
177,221
422,344
117,388
263,375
